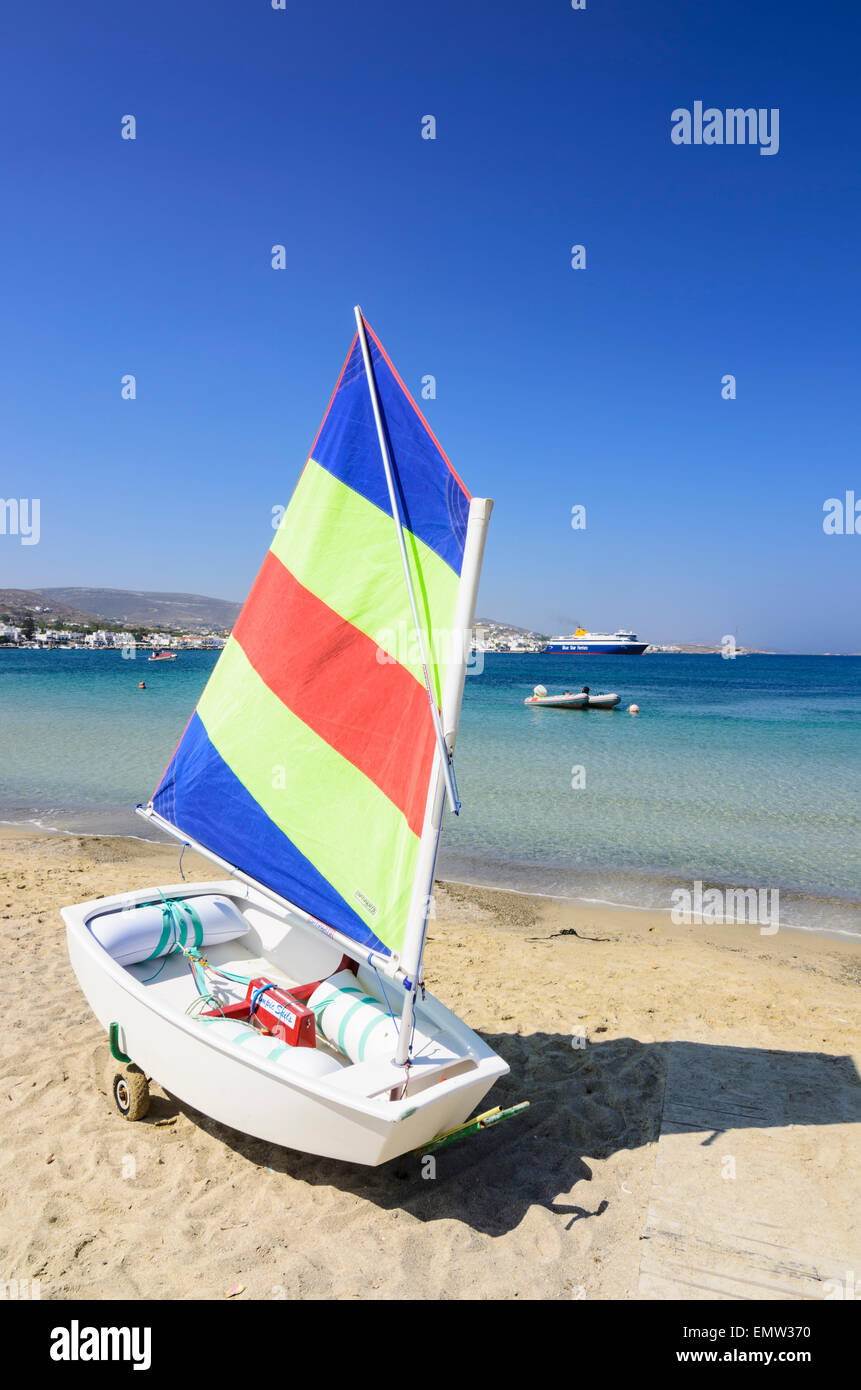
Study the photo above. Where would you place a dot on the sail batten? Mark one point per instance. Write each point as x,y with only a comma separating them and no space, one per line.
310,757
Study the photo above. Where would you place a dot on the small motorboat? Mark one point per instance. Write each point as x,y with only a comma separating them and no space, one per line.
568,700
163,656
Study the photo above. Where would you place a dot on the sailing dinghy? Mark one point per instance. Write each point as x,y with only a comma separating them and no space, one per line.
286,999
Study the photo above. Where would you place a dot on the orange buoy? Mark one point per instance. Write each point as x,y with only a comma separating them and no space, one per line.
633,709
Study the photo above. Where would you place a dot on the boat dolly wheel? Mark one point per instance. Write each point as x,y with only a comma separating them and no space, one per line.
130,1090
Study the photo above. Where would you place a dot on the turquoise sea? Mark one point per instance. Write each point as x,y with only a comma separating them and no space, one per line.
742,773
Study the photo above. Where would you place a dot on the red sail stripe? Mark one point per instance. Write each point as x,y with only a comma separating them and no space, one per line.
327,673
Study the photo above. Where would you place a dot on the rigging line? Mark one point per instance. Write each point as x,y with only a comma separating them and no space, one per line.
445,756
386,997
419,983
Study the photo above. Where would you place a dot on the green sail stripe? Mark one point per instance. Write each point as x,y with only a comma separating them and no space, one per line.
343,824
343,549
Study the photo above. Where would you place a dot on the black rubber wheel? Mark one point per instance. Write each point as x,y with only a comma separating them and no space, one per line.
131,1093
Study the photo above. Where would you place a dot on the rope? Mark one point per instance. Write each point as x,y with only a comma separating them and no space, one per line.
198,964
169,925
386,997
258,994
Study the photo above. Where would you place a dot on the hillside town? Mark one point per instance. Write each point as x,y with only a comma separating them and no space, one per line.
487,637
130,620
104,639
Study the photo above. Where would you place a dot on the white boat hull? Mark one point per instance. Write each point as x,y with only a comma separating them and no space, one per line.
347,1115
578,701
556,701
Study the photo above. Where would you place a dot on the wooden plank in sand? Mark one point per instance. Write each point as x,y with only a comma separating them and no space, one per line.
752,1194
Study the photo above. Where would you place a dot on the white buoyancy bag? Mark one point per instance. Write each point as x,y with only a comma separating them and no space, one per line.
353,1021
151,930
302,1061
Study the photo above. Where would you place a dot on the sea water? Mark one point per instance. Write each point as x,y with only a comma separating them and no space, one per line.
738,773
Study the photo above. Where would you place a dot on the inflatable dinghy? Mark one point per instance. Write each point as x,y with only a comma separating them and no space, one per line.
567,701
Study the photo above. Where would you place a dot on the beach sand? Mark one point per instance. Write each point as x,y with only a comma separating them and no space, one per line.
657,1059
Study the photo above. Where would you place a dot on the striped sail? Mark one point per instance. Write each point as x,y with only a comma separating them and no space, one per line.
308,760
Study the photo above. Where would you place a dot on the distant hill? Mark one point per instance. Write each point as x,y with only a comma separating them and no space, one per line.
131,607
18,603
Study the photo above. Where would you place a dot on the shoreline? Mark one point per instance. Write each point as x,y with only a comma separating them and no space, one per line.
35,825
607,904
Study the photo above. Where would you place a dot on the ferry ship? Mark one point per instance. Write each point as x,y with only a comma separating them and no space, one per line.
621,643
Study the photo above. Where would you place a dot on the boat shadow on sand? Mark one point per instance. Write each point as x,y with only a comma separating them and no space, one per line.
585,1103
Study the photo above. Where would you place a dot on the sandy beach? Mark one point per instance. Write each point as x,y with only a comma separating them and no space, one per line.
683,1081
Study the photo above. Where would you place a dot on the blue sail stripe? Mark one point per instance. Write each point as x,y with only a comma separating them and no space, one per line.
433,504
203,797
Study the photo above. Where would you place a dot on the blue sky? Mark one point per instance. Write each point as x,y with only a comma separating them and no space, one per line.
600,387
